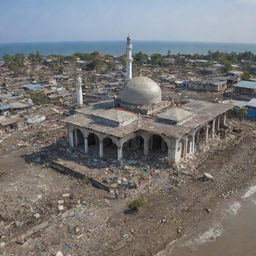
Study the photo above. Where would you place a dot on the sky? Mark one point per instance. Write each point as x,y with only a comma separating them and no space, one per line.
90,20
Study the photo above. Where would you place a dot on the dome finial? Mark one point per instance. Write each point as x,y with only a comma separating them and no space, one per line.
129,40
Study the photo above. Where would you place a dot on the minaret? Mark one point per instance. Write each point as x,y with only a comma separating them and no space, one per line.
129,59
79,92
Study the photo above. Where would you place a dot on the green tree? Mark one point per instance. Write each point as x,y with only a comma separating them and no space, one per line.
35,58
140,58
96,64
7,59
157,59
15,63
246,76
227,67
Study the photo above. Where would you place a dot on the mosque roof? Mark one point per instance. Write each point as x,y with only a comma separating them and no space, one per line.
141,91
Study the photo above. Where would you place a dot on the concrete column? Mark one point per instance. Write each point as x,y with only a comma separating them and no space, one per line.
86,145
173,150
146,147
213,127
101,148
206,134
224,118
193,142
71,138
185,147
218,123
119,153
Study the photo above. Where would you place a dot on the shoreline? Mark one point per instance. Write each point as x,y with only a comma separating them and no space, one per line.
207,232
115,48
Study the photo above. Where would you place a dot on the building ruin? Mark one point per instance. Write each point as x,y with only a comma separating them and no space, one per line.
140,119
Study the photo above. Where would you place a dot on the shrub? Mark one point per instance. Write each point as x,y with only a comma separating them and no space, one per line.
136,204
246,76
238,113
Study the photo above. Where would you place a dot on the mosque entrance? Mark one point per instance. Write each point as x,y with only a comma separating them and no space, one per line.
133,148
78,139
157,145
200,138
109,148
93,144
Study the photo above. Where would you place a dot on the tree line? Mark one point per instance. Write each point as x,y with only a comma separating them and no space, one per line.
95,61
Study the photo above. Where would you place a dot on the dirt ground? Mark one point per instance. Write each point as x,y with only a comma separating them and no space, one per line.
43,211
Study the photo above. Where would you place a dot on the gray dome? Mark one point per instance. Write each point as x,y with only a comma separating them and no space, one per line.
140,91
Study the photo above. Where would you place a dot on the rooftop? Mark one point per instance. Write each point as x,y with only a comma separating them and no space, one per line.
175,114
4,121
201,112
33,87
119,116
246,84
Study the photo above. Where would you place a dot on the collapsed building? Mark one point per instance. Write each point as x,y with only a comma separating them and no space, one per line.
210,85
244,90
140,119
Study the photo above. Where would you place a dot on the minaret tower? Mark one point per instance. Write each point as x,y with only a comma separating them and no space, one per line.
79,92
129,59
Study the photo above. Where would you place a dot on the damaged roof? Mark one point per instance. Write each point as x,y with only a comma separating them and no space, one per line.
193,115
174,114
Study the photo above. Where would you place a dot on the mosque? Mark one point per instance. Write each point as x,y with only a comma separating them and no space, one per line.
140,120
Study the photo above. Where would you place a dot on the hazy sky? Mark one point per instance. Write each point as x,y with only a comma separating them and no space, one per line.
172,20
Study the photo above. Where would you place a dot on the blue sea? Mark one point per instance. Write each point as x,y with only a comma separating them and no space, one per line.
117,48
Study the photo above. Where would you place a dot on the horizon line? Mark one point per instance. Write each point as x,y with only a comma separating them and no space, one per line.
101,40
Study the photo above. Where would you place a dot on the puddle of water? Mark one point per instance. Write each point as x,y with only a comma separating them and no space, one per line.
250,192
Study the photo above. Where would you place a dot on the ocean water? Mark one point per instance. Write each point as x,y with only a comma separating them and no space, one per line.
117,48
232,232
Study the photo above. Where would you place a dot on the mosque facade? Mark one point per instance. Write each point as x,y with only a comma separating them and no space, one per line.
140,120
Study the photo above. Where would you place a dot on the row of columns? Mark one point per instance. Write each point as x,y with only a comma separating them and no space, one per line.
73,142
189,144
172,143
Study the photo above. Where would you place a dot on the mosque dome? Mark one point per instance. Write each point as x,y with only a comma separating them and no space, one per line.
141,91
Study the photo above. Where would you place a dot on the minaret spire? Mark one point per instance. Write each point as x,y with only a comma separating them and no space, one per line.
79,92
129,59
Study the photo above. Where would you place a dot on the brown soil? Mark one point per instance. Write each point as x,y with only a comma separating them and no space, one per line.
92,222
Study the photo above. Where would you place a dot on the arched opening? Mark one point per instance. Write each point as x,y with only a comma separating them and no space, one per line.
109,148
133,148
157,145
78,139
93,144
217,125
210,131
200,138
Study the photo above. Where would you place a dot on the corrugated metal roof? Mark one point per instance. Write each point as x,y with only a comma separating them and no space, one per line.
252,103
33,87
246,84
5,107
